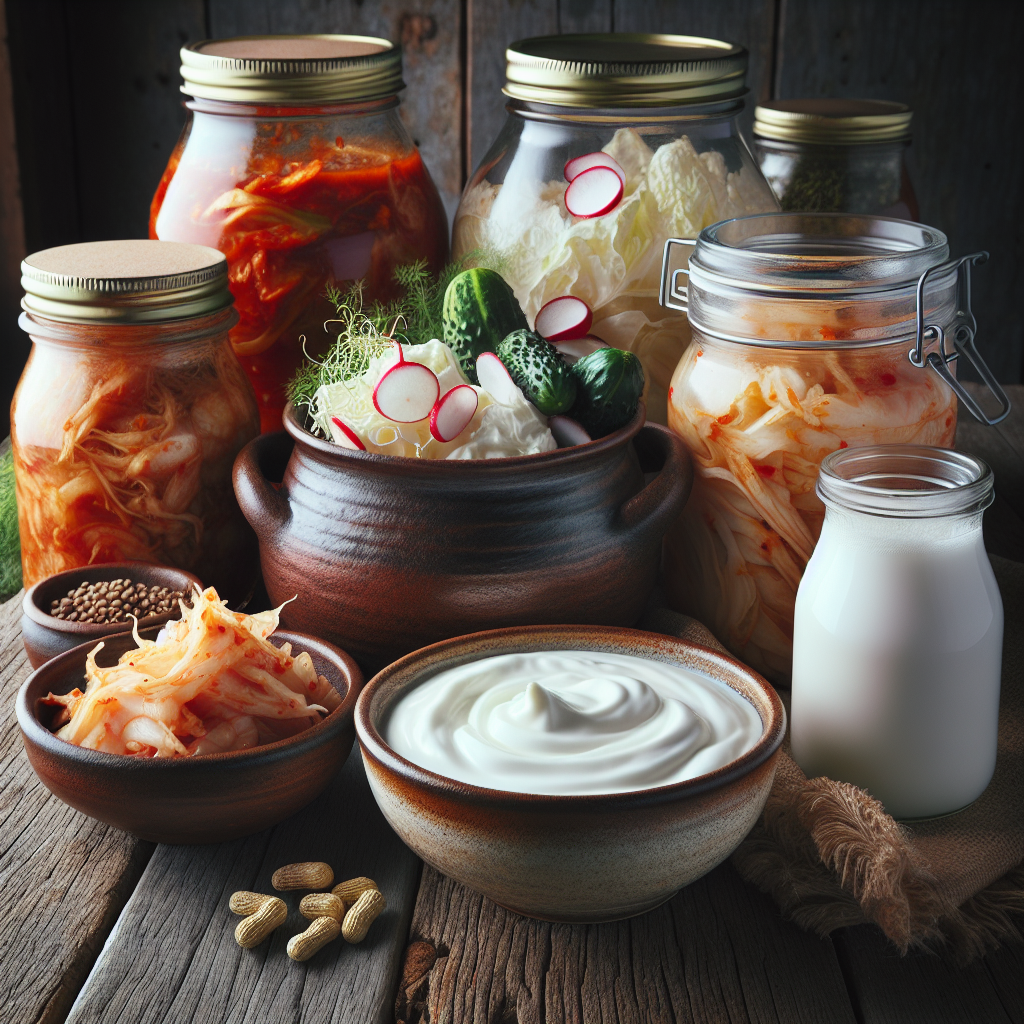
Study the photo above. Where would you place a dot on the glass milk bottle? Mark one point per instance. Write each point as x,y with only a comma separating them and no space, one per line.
898,632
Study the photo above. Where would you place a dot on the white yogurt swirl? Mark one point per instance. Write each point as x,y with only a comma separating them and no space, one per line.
571,723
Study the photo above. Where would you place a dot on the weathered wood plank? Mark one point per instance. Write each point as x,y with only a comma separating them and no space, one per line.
429,31
172,957
1003,449
64,877
490,28
923,988
127,106
585,15
747,22
13,342
957,65
717,952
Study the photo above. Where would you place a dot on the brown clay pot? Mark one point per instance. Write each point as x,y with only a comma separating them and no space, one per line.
570,858
206,799
387,554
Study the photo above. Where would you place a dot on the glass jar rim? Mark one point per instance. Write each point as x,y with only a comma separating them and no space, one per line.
297,110
902,481
185,330
803,255
708,110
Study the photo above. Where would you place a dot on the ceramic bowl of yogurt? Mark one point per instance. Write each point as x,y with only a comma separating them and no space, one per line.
570,773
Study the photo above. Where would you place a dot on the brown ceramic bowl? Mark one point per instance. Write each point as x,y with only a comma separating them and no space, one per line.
206,799
46,636
386,554
570,858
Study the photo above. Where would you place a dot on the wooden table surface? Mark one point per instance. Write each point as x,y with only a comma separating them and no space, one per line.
98,927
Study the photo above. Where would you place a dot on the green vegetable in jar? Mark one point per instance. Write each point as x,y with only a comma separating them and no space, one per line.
609,383
480,310
538,370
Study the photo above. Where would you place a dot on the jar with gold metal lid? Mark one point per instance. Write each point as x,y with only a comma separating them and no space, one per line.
837,156
613,144
295,164
129,413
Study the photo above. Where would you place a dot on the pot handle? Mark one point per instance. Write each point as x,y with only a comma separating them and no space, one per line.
263,459
658,505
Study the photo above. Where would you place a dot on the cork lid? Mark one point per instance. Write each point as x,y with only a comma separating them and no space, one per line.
292,70
622,69
133,281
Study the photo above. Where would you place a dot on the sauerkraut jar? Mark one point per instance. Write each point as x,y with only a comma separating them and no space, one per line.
295,164
808,336
130,412
664,109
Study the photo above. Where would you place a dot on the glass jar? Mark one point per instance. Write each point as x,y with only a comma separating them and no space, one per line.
837,156
295,164
130,412
898,636
802,326
665,109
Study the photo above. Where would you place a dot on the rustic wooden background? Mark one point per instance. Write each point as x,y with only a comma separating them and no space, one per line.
90,107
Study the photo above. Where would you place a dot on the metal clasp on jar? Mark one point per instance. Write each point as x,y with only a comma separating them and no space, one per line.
671,294
962,331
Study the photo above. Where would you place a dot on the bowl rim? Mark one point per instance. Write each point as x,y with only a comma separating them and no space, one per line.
32,610
34,732
371,742
597,446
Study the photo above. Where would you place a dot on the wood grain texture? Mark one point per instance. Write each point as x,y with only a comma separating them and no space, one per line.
922,988
12,231
173,959
490,27
429,31
717,952
958,65
64,877
127,106
1002,448
747,22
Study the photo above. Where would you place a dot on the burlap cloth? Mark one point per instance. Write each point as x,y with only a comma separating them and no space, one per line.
830,856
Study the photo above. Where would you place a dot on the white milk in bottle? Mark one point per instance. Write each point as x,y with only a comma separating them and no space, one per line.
898,631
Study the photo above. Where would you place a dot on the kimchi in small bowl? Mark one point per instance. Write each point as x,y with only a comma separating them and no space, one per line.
205,798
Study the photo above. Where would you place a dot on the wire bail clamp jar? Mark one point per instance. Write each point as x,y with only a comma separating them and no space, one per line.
962,327
801,328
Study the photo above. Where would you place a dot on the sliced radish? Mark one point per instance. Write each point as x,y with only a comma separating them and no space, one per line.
594,192
407,392
453,411
575,167
495,379
563,318
567,432
346,436
574,350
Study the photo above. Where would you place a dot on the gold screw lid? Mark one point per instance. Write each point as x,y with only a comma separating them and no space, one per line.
129,282
831,122
299,69
618,69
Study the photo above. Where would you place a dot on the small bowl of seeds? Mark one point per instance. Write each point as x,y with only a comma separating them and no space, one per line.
85,605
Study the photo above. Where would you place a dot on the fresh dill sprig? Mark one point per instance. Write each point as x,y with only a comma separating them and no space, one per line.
362,335
10,543
365,330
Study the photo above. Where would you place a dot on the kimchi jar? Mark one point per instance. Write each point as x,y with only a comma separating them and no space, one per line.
294,164
129,413
802,325
664,110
